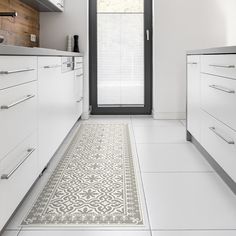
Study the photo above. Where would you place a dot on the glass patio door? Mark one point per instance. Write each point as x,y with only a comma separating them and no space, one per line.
120,56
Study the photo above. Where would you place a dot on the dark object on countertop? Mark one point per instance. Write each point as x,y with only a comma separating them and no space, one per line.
1,39
8,14
76,43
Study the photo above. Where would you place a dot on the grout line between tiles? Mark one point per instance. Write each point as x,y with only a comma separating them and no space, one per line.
197,230
178,172
145,199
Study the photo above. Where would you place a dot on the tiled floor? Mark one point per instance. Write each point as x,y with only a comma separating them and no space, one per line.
182,193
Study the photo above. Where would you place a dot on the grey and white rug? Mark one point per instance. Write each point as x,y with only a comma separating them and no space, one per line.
93,184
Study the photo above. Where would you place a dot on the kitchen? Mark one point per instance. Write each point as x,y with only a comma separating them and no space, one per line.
95,136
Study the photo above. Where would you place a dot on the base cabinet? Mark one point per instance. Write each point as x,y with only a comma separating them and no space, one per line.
194,98
39,104
211,107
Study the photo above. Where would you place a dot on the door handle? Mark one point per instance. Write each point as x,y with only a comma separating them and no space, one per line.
222,88
148,35
7,176
6,107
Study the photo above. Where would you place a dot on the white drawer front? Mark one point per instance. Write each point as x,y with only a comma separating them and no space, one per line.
78,62
17,70
220,142
18,115
222,65
193,105
21,167
219,98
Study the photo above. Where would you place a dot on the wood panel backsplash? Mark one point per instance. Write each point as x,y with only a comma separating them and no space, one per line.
16,31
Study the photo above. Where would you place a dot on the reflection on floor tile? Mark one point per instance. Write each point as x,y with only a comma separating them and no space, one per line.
148,134
151,122
10,233
189,201
195,233
171,157
84,233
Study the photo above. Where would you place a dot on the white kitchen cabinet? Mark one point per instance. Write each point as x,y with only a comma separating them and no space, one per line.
40,101
18,115
57,106
221,65
18,172
193,96
211,79
219,98
220,142
15,70
51,107
46,5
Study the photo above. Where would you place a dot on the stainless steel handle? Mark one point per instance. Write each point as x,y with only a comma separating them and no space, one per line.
15,71
80,75
192,63
68,63
148,35
60,5
227,140
223,66
5,107
221,88
50,67
80,100
29,152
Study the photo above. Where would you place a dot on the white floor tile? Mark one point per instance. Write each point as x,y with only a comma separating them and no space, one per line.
10,233
84,233
151,122
171,158
149,134
108,119
189,201
195,233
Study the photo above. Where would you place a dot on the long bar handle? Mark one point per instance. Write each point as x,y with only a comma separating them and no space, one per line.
5,107
222,88
148,34
80,100
8,176
60,5
15,71
192,63
227,140
223,66
50,67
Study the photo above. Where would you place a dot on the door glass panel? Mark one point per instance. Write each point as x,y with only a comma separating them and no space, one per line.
120,62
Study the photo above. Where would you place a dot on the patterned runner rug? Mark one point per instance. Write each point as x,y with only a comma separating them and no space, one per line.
93,184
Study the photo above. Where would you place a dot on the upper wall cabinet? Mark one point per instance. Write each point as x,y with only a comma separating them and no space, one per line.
46,5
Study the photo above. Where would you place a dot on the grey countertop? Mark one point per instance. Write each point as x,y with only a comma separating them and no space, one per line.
220,50
8,50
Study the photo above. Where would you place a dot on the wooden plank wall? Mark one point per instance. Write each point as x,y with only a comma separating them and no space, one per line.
17,30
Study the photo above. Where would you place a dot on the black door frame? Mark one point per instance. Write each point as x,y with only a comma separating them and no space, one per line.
148,64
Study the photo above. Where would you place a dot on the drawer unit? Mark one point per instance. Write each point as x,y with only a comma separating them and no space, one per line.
194,99
17,70
78,62
220,143
18,171
18,115
218,97
222,65
79,94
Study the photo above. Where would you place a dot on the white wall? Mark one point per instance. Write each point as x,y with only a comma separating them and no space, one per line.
179,25
54,28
